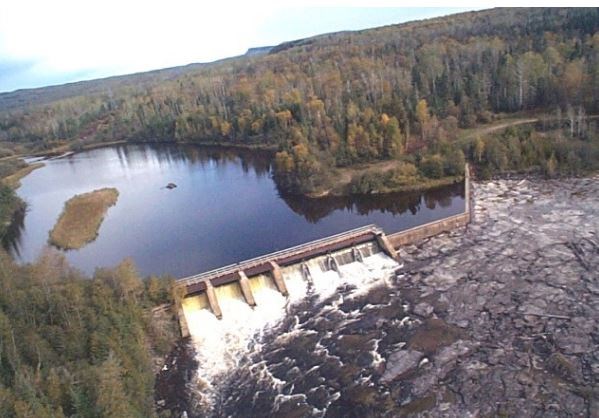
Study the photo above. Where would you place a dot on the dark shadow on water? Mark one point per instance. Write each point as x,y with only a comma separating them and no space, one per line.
313,210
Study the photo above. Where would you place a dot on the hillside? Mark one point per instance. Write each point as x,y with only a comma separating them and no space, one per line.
261,50
397,92
46,95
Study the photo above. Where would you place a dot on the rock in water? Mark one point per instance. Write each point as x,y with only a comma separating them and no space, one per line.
423,309
400,362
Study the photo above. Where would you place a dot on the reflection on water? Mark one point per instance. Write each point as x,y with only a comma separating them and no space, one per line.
226,208
256,161
314,210
12,237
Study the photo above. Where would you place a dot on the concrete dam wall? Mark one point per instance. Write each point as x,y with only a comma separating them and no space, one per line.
430,229
283,276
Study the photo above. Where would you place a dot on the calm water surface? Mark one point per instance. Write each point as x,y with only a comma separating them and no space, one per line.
226,208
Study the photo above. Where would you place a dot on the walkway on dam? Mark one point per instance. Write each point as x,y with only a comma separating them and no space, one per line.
273,261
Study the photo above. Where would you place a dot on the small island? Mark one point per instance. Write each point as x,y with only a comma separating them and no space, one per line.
81,218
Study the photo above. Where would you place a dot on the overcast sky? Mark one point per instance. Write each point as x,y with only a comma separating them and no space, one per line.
58,41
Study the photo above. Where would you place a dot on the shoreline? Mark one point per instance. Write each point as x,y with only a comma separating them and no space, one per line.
60,152
422,186
344,174
338,191
14,180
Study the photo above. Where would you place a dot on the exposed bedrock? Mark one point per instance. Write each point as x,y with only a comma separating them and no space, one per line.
522,283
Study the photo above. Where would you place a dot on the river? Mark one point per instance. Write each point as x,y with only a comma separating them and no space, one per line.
225,208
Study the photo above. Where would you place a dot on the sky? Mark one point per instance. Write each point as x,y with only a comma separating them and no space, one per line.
53,42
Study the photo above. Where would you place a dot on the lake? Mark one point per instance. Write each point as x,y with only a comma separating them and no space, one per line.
225,208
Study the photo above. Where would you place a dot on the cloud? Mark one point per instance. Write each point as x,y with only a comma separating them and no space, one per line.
9,67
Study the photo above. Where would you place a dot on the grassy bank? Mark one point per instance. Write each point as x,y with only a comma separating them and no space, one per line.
11,171
384,182
81,218
421,184
387,177
14,180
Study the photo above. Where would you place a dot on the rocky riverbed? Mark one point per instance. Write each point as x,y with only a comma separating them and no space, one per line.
522,285
499,319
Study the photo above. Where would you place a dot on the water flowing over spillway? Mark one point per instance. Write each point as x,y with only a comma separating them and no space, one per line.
223,345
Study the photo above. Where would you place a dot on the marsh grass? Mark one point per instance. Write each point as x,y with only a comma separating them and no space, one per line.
81,218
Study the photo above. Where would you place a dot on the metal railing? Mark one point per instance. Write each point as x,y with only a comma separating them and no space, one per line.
252,262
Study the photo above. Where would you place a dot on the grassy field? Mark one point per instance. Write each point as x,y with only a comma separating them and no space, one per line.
81,218
482,130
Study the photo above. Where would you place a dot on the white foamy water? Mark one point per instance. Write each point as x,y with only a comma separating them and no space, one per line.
221,344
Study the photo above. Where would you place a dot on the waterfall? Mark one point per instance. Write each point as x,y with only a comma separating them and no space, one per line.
228,292
366,250
344,257
356,255
220,343
262,285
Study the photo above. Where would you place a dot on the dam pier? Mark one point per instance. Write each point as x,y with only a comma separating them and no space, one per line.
302,262
272,264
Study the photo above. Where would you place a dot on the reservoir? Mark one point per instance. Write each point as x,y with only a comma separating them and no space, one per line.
225,208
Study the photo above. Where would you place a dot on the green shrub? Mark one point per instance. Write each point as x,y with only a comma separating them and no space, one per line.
432,166
454,163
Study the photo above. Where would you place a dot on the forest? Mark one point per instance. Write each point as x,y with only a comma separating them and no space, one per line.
402,92
79,346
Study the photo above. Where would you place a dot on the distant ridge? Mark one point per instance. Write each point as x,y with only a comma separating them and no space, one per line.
261,50
43,95
459,27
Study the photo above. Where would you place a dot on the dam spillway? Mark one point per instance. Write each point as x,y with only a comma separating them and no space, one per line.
353,245
220,344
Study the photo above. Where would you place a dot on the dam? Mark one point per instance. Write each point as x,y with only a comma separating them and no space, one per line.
310,267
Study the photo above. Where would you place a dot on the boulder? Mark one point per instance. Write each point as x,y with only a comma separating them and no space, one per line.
400,362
